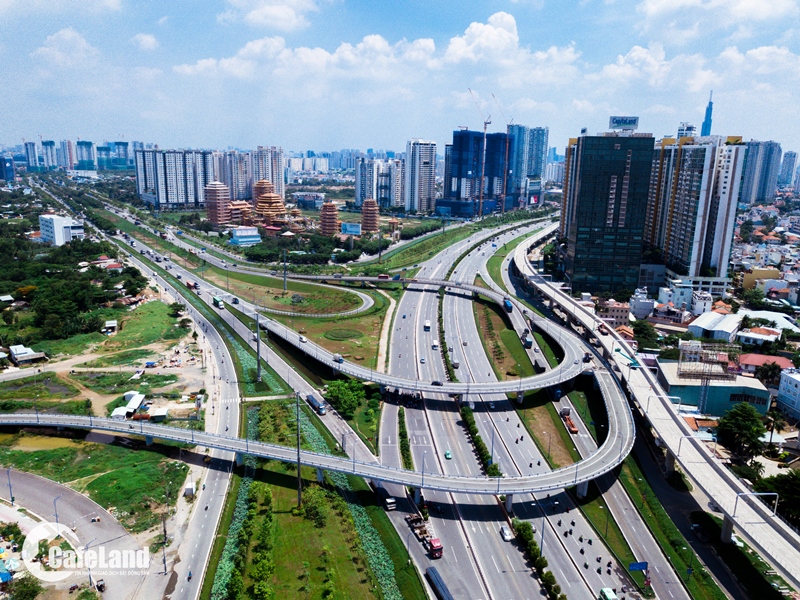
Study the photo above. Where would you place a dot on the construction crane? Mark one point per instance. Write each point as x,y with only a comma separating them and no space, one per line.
486,122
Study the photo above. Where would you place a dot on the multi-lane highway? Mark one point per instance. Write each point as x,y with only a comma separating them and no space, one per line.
769,534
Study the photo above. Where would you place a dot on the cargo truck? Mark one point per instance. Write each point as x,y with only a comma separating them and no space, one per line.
507,305
527,341
387,500
317,404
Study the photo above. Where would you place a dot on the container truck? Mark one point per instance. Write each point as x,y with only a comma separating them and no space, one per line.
527,341
317,404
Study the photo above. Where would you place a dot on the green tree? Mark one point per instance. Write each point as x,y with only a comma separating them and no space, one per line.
740,430
175,309
787,486
775,420
346,396
645,333
768,373
25,588
746,230
753,298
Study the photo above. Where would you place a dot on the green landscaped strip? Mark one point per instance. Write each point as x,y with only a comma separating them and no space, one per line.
671,541
496,261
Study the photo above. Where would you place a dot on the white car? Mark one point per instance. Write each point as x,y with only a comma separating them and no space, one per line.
422,360
303,339
506,534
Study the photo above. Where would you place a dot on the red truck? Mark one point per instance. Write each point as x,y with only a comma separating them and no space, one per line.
434,546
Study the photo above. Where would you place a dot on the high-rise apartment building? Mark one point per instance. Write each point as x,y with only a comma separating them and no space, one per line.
218,203
235,171
604,208
7,168
31,156
761,167
527,162
380,179
86,156
172,179
268,163
49,155
788,166
65,154
419,188
686,130
466,164
691,215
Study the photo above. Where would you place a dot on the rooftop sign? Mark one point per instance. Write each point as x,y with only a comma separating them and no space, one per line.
623,123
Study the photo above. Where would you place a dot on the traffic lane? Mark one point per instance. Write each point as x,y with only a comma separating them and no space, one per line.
76,511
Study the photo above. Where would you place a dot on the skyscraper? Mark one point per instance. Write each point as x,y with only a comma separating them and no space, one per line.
173,178
236,171
31,156
218,203
65,154
49,155
517,180
706,128
605,205
268,163
86,156
538,139
691,215
7,168
381,180
465,163
761,167
788,165
420,176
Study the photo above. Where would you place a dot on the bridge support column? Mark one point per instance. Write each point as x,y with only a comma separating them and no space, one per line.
239,459
148,440
727,530
320,476
417,495
509,503
583,489
669,464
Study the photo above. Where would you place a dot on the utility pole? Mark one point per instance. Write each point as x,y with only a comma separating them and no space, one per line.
284,269
299,477
258,348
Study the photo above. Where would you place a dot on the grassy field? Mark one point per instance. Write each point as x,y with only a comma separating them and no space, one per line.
268,292
360,344
71,346
130,483
105,382
47,386
147,324
496,261
126,358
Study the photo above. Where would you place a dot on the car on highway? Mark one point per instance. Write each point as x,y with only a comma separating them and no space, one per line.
179,276
506,534
491,405
234,265
448,455
576,362
404,315
464,343
436,382
536,349
303,339
422,360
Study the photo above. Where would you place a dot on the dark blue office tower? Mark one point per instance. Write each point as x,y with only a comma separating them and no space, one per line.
7,171
706,128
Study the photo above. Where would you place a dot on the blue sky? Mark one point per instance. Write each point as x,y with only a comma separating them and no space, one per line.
331,74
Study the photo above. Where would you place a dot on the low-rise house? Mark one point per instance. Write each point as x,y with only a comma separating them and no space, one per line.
755,336
748,363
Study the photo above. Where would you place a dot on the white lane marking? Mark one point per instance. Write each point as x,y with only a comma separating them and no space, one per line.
495,564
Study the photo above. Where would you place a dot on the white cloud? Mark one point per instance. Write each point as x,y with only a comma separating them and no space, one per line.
283,15
679,21
66,48
484,40
30,7
145,41
162,21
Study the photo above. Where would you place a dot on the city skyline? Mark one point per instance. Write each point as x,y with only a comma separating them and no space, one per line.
326,75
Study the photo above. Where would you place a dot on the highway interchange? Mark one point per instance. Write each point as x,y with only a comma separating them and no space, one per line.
466,513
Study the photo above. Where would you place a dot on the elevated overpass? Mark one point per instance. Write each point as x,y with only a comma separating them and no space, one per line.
768,533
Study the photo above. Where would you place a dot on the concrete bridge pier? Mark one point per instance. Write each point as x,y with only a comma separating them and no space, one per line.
509,503
669,464
148,440
520,396
582,489
417,496
726,535
239,459
320,475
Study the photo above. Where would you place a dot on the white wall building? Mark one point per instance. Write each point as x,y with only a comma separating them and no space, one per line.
702,302
641,306
420,184
57,230
789,393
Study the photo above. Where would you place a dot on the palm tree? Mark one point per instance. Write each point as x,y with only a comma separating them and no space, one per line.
775,420
768,373
746,322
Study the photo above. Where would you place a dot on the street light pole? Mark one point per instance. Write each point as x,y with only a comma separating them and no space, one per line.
10,490
299,477
89,562
549,439
423,470
55,507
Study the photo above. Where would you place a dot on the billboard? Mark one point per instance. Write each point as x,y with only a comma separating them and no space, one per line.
623,123
351,228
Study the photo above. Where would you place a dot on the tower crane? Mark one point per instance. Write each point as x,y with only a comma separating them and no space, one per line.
486,122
